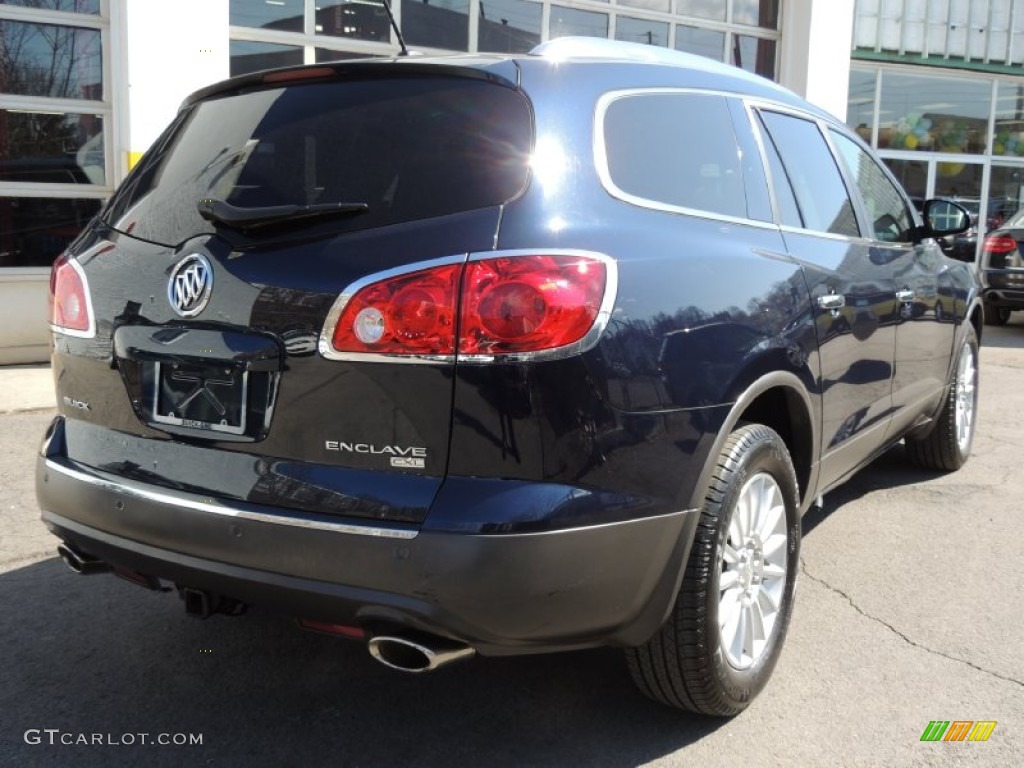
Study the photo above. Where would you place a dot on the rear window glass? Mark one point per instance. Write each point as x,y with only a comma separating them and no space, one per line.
408,148
675,149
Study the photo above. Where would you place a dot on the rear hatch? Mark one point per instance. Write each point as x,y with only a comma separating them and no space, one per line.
213,270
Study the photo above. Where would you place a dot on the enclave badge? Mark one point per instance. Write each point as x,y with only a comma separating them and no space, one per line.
189,288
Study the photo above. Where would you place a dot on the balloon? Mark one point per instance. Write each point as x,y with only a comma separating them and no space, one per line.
911,141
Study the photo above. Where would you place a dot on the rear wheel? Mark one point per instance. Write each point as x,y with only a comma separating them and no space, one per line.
717,649
948,445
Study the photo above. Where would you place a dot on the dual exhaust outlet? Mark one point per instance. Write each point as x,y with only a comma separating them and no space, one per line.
415,653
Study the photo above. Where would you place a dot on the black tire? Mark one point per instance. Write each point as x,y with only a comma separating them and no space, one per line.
996,315
945,448
685,665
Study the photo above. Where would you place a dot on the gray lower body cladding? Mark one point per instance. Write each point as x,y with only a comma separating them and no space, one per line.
500,593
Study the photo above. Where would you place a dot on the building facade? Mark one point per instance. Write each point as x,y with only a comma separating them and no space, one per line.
937,86
87,85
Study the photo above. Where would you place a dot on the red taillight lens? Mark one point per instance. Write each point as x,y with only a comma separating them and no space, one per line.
411,314
529,303
69,299
507,305
1000,244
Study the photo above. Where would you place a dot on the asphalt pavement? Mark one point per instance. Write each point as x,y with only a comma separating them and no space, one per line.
908,611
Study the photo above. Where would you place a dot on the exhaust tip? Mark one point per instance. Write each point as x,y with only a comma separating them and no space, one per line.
80,563
408,655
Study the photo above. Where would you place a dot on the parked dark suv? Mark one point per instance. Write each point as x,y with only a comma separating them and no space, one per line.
1002,270
503,355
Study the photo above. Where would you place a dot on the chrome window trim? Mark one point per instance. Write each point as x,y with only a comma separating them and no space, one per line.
217,508
604,174
823,125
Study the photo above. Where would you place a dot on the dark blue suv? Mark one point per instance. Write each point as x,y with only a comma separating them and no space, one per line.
500,355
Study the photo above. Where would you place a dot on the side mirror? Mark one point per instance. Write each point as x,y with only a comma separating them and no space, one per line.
943,218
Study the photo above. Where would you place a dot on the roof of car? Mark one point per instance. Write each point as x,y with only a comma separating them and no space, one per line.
505,68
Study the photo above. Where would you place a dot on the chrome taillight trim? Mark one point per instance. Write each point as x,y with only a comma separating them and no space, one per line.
588,341
327,349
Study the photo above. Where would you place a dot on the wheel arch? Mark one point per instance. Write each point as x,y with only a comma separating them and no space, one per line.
778,400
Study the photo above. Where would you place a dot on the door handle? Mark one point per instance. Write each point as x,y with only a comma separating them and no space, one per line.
905,295
833,302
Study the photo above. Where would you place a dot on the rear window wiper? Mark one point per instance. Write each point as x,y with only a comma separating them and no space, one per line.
253,218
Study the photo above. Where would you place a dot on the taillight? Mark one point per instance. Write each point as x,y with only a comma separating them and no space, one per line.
70,307
1000,244
411,314
529,303
516,304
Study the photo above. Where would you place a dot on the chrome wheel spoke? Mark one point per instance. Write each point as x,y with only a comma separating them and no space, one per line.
729,554
728,619
740,634
729,579
773,572
769,605
772,545
757,625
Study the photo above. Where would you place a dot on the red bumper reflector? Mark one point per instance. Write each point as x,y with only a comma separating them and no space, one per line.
356,633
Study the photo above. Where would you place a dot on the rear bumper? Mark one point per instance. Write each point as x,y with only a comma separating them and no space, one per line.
500,593
1004,288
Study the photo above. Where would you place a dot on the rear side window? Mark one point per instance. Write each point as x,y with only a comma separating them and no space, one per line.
812,173
674,149
409,148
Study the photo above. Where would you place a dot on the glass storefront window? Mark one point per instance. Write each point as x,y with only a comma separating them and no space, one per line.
509,26
702,9
327,54
34,230
754,54
286,15
50,60
249,57
756,13
1005,193
569,21
934,114
664,6
641,31
436,24
703,42
71,6
860,105
51,147
356,20
960,182
1008,139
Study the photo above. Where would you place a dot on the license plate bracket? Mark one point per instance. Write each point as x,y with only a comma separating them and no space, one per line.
209,397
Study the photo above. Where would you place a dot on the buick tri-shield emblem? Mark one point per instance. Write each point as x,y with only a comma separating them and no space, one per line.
190,285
